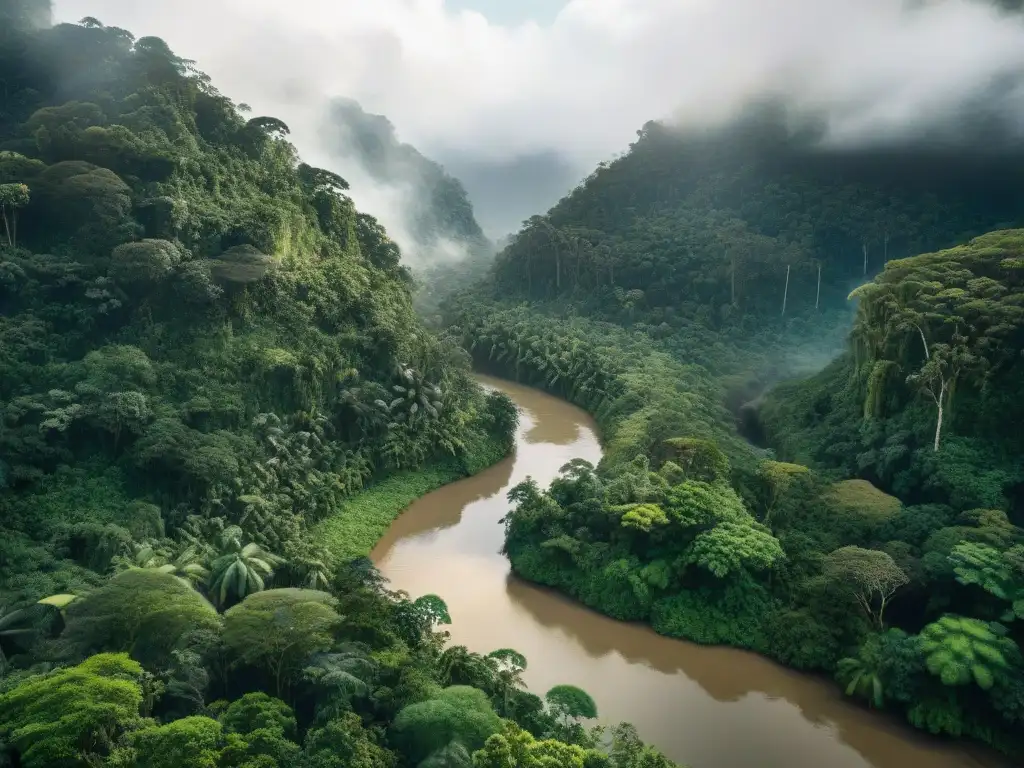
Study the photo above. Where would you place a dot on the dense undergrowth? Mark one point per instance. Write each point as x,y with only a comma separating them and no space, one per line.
668,291
214,396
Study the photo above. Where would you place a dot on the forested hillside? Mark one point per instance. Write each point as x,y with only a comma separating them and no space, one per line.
450,248
204,351
441,208
925,403
193,320
872,535
704,226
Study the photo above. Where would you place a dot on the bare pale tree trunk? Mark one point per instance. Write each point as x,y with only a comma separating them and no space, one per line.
938,397
865,602
887,593
924,343
864,248
7,226
885,248
785,293
940,401
817,296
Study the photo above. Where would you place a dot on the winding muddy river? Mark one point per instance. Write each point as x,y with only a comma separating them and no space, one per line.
705,707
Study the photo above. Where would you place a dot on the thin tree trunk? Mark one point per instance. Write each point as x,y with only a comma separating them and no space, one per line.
864,248
817,296
924,342
941,401
885,248
14,227
785,293
865,603
881,614
7,226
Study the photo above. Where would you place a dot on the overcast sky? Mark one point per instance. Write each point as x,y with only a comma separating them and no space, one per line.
561,85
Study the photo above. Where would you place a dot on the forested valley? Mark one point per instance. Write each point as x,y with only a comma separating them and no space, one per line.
214,398
220,383
862,521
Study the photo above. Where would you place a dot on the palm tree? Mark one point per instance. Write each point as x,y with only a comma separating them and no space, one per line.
309,569
460,666
239,569
143,555
413,396
862,679
338,677
187,566
960,650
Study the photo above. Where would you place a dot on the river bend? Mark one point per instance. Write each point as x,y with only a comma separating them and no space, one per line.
707,707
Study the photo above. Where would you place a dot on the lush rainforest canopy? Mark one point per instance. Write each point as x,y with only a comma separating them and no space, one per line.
872,531
209,365
215,396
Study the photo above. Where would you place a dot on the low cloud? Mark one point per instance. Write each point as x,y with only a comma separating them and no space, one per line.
458,86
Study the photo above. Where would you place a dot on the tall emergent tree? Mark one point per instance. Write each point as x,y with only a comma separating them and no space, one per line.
942,318
871,576
12,197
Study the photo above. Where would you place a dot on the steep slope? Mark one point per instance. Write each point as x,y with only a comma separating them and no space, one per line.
668,289
446,245
735,250
705,225
195,327
925,403
204,349
441,208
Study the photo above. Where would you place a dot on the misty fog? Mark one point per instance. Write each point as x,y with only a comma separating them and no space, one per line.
496,97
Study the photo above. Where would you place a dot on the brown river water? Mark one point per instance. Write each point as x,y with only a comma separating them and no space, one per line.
706,707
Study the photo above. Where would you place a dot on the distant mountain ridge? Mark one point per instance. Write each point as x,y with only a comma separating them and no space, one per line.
436,211
443,209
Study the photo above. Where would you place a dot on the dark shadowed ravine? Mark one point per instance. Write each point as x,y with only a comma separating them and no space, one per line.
703,706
